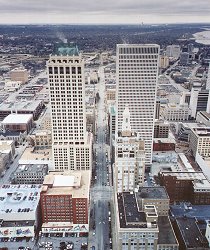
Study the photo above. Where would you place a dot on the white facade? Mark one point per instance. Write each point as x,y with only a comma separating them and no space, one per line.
174,112
208,79
71,143
137,72
129,158
173,51
199,141
164,61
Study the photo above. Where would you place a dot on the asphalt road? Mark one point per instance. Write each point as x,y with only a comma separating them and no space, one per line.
101,192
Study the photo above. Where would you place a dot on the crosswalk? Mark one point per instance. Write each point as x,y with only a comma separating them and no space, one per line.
101,193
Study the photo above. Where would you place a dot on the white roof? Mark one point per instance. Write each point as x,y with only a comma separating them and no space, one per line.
17,118
18,199
63,181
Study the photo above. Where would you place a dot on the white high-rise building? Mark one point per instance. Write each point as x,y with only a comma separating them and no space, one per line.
71,144
208,79
137,74
173,51
129,165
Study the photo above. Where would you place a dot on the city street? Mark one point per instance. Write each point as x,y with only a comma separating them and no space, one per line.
101,192
12,166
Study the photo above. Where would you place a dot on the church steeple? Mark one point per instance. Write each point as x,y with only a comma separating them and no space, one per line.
126,125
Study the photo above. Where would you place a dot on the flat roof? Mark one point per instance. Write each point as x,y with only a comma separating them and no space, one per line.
32,168
129,215
63,181
20,105
190,232
152,193
40,154
166,234
17,119
78,185
202,132
205,114
20,223
18,198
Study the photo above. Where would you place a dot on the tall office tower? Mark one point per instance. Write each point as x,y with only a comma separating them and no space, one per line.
137,74
129,165
71,144
173,51
208,79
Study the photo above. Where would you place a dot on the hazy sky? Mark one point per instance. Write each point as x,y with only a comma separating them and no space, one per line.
104,11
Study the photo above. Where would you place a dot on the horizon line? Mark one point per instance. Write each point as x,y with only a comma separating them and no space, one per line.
140,24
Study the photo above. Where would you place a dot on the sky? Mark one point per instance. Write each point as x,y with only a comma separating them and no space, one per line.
103,11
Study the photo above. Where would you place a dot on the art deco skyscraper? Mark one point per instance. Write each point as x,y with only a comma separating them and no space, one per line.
129,164
72,144
137,74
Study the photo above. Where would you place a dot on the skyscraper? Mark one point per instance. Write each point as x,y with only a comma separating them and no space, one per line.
129,158
71,144
137,73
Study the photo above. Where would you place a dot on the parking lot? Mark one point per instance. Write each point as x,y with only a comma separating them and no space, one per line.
48,243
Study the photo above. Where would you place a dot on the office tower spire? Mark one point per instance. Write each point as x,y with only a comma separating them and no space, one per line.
137,73
71,142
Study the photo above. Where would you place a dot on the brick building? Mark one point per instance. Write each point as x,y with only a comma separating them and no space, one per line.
65,202
186,186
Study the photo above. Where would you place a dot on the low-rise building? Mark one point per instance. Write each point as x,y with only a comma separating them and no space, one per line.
12,86
41,139
8,147
189,235
19,214
175,112
139,227
65,202
30,174
33,107
161,129
164,144
199,141
186,186
19,74
18,122
16,136
203,117
156,196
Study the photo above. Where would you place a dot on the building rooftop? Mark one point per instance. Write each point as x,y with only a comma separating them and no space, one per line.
76,183
10,133
202,132
190,233
20,223
205,115
32,168
20,105
19,70
130,216
16,199
40,154
67,49
17,119
112,110
152,193
198,179
166,234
